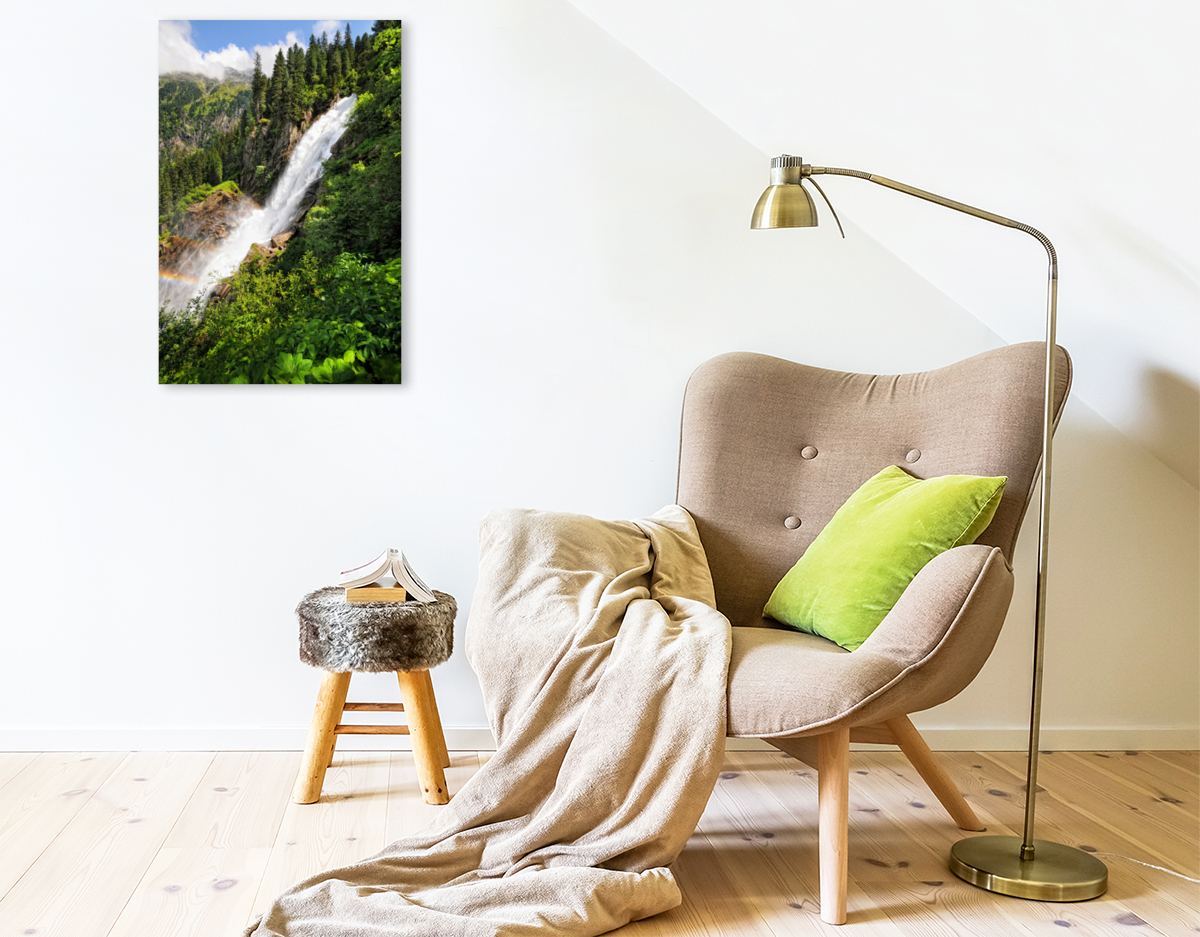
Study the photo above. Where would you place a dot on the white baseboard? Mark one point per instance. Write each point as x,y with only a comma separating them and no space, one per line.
291,738
1053,739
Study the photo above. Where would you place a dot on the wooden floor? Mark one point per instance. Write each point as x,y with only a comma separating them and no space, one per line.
158,845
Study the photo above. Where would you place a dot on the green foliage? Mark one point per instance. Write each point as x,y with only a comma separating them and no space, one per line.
359,211
333,323
212,166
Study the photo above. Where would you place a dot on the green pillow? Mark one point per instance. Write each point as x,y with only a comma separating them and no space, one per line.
858,566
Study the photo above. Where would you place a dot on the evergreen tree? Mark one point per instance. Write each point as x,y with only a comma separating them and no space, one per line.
335,70
275,101
258,88
166,196
310,61
348,45
324,42
288,101
215,170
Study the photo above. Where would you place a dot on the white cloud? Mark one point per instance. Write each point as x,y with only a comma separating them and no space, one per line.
327,26
177,53
268,52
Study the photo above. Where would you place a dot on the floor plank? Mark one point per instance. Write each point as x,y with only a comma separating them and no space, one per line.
13,763
81,882
41,800
1177,795
346,825
199,892
1174,815
206,876
1167,771
407,811
239,802
1188,761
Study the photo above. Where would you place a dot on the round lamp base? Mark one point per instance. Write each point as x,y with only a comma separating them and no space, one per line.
1055,873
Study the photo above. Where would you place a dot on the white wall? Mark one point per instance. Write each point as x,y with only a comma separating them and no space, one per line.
576,243
1073,116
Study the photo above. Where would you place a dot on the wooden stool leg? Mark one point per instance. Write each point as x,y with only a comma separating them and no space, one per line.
331,699
424,728
332,745
437,721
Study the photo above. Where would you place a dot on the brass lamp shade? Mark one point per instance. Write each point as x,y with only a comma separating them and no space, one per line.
785,206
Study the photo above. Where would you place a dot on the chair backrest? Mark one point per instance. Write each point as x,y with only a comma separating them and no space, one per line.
766,443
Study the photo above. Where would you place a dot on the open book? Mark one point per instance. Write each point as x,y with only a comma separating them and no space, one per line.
393,562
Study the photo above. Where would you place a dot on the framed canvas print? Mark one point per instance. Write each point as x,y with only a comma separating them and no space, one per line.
279,202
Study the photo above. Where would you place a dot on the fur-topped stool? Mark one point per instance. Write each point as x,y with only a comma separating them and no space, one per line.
407,637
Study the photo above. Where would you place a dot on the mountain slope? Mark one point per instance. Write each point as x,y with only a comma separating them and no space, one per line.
193,110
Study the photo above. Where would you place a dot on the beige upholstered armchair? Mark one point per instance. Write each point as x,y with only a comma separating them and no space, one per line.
769,450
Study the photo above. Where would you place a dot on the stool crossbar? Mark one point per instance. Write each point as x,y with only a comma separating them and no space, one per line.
423,725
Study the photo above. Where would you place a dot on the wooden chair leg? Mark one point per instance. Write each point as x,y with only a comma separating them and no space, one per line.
944,789
420,708
833,786
331,699
440,735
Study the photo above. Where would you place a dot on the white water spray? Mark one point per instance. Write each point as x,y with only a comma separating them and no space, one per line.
280,213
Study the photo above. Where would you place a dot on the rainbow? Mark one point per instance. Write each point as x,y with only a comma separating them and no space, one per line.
177,277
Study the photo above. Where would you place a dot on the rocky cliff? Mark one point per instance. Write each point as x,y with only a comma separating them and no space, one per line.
265,155
203,227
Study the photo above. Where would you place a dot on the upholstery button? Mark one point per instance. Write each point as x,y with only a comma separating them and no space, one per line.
808,452
913,455
792,522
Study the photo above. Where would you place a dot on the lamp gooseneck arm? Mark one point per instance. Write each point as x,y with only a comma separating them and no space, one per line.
1039,634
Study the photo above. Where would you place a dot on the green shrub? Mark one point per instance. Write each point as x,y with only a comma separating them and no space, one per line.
316,323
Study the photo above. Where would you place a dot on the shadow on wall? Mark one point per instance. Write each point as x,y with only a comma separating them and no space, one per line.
1124,592
1172,425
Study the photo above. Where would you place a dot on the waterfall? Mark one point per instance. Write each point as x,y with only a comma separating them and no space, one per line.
261,224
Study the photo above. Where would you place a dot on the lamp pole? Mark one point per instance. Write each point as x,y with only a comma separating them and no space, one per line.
1022,867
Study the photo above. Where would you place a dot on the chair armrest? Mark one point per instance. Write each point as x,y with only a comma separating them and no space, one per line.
942,629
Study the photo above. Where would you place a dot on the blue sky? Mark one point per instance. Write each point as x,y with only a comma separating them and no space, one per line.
208,46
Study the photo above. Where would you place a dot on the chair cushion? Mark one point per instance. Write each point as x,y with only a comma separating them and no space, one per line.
784,682
767,695
860,564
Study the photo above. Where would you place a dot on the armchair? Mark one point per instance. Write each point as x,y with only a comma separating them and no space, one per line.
769,450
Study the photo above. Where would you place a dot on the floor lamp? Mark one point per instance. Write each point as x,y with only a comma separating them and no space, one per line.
1009,865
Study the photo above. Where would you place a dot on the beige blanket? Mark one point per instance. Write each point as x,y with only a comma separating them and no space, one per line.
603,667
